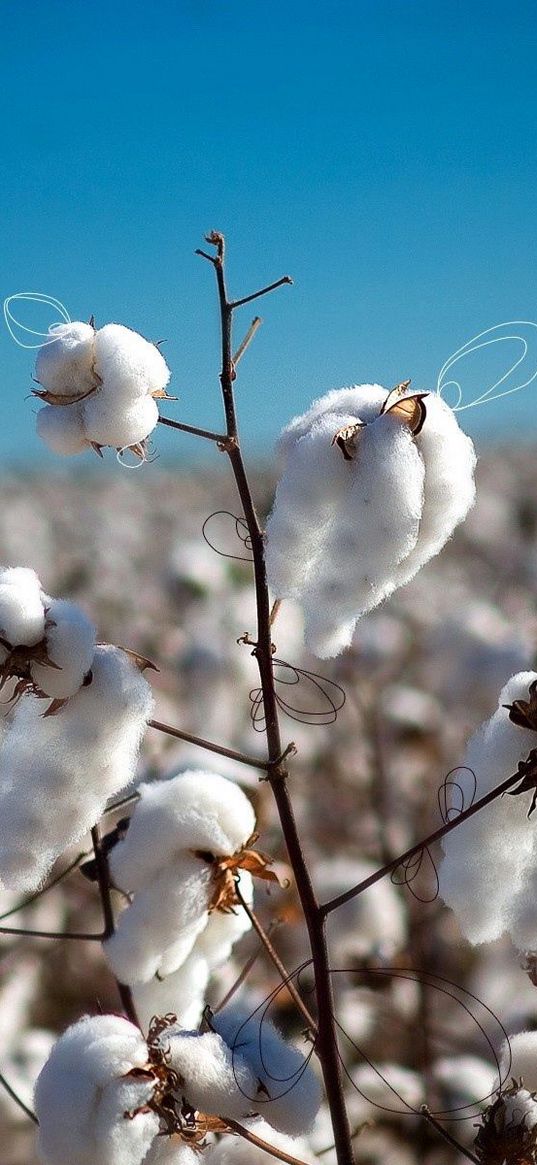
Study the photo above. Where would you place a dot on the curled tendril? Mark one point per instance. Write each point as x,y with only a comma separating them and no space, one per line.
330,696
453,788
453,799
408,871
238,529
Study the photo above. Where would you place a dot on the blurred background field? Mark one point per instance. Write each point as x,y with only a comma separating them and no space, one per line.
424,670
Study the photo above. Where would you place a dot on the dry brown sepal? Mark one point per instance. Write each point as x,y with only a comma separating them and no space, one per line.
411,410
504,1137
226,870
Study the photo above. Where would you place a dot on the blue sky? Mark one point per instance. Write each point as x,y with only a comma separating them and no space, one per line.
382,153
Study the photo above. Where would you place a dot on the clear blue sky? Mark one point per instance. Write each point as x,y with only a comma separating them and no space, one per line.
381,152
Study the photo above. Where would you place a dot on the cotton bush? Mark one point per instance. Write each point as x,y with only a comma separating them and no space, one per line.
343,534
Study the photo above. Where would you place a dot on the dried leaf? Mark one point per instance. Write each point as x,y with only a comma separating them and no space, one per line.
62,399
410,410
139,661
346,439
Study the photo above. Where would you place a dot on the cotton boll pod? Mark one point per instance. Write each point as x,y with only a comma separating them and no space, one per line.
486,857
57,773
291,1094
62,429
110,420
195,810
22,614
238,1151
70,643
216,1080
65,363
182,993
508,1132
129,365
84,1091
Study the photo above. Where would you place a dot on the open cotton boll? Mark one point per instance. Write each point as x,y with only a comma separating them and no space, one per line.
57,773
82,1094
157,931
128,364
237,1151
65,362
62,428
223,930
486,858
182,993
518,1059
70,638
291,1092
195,810
111,421
172,1151
22,614
216,1080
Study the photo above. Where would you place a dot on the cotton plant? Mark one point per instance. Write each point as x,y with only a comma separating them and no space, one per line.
487,874
99,387
189,838
508,1128
373,485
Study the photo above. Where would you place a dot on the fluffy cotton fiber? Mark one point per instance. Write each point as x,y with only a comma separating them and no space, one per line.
83,1093
70,641
22,612
57,773
108,380
487,872
343,534
159,862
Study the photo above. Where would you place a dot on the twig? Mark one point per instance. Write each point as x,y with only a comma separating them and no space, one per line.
277,773
39,893
274,612
53,934
103,881
242,757
285,977
447,1136
248,966
257,294
255,324
340,900
218,438
11,1092
259,1143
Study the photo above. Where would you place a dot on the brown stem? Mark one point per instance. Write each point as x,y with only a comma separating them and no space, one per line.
259,1143
277,773
248,966
218,438
264,291
53,934
255,324
447,1136
103,881
10,1091
285,977
335,903
230,752
39,893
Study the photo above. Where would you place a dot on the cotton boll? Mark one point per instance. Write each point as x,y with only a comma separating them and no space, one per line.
57,773
195,810
62,428
70,638
65,363
518,1059
223,930
182,993
238,1151
294,1093
217,1081
22,615
110,420
128,364
172,1151
486,858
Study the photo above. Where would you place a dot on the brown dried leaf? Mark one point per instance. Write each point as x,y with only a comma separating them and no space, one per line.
410,410
346,439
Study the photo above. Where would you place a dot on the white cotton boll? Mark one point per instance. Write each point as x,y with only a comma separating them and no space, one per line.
62,429
70,638
518,1059
157,931
57,773
217,1081
81,1097
486,858
65,363
294,1092
195,810
112,421
222,931
182,993
128,364
172,1151
238,1151
22,615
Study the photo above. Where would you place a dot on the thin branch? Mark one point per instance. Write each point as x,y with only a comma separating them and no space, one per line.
255,324
248,966
356,1132
335,903
218,438
264,291
447,1136
52,934
242,757
39,893
285,977
11,1092
259,1143
103,881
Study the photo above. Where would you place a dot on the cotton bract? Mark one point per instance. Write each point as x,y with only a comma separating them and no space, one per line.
84,1092
178,831
487,874
350,524
99,387
57,772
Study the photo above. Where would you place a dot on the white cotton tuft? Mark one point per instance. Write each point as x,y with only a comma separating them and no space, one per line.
343,534
70,640
238,1151
172,1151
486,872
216,1081
22,615
291,1093
65,362
83,1093
62,428
112,421
518,1059
128,364
57,773
182,993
